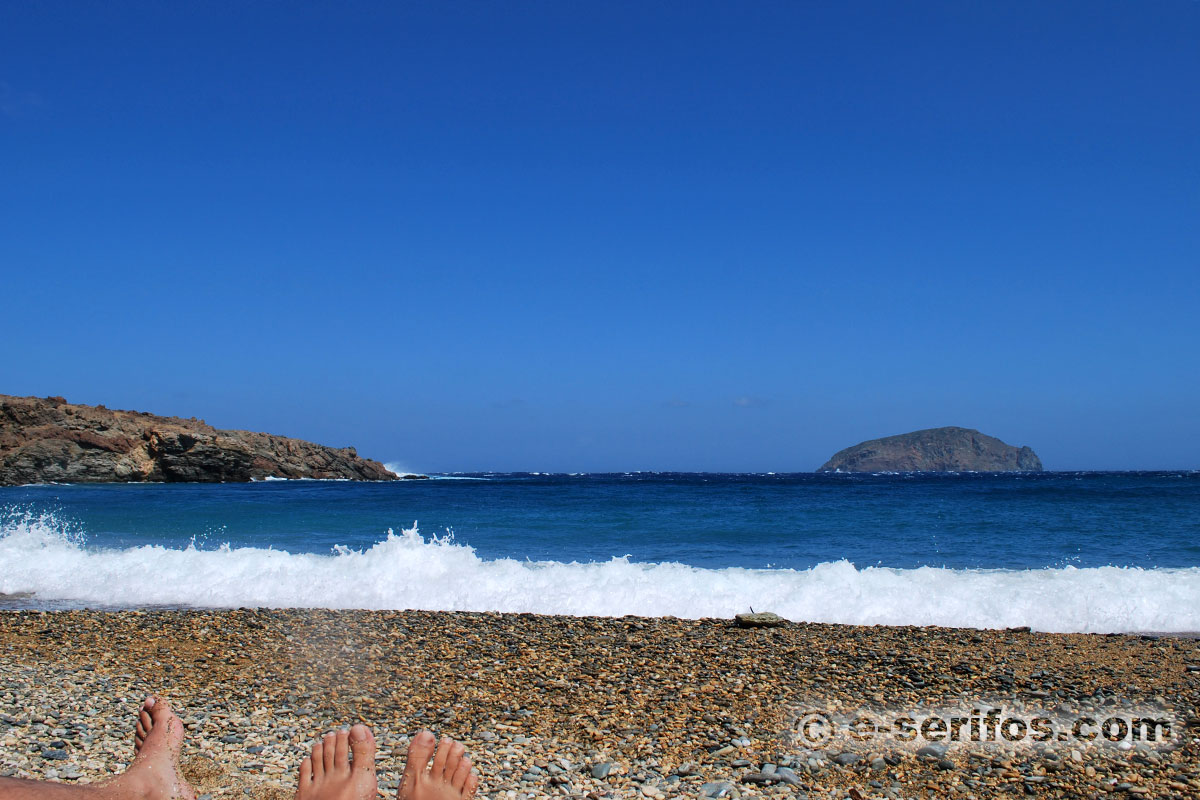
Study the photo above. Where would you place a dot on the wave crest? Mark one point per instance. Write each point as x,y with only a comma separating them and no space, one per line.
52,561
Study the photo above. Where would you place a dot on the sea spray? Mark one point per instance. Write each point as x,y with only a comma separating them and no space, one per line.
51,560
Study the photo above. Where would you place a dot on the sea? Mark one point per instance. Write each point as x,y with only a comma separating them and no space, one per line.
1101,552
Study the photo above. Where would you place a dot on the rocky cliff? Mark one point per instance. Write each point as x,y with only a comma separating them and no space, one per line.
934,450
51,440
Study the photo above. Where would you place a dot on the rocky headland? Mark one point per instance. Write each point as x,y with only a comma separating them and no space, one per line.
44,440
934,450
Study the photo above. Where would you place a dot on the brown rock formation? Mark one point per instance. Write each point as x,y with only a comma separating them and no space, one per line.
934,450
51,440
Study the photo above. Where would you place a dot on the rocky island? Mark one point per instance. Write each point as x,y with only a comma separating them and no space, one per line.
934,450
45,440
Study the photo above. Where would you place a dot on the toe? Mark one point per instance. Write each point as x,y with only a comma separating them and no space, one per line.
470,787
362,745
459,779
453,759
420,750
144,722
341,751
443,755
318,760
158,710
329,750
305,781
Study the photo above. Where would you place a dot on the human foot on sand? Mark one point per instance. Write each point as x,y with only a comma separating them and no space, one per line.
153,775
449,777
329,774
154,772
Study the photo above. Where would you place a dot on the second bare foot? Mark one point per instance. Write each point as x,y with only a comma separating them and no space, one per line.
329,774
448,777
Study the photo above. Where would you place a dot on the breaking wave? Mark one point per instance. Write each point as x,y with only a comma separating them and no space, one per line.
48,563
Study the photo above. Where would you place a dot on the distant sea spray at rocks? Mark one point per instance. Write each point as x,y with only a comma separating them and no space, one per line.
46,561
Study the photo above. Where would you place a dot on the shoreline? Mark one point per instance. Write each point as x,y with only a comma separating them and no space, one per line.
673,707
26,602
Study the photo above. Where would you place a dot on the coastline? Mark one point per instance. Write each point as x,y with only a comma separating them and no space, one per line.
673,707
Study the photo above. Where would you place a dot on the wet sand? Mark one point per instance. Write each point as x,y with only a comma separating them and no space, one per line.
578,707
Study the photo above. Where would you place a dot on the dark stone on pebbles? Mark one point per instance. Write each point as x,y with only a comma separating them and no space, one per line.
758,778
788,776
716,789
847,759
760,619
600,771
937,751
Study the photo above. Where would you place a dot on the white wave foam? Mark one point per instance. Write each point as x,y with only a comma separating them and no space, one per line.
39,556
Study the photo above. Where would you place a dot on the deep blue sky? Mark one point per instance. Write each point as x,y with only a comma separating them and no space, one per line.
604,236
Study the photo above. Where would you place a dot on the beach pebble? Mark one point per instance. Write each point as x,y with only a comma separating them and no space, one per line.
758,777
934,751
788,776
760,619
716,789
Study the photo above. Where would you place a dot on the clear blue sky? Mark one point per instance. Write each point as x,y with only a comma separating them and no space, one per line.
604,236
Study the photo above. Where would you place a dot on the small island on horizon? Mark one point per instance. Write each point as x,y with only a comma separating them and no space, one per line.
948,449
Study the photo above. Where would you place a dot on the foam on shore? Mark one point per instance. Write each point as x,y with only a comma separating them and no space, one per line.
38,557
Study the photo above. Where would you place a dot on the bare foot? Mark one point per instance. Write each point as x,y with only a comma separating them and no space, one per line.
329,774
154,773
448,778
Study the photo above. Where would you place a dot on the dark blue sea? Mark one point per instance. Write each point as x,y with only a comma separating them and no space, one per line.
1057,551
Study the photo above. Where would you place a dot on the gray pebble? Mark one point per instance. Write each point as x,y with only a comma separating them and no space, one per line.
716,789
788,776
932,751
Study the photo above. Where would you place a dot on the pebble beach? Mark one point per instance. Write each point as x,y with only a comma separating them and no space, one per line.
552,706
